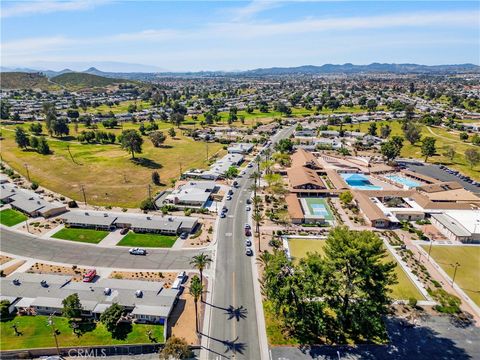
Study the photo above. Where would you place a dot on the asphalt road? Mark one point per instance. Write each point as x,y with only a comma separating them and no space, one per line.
436,338
89,255
233,332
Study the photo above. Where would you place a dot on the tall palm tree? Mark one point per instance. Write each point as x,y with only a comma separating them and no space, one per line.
200,262
258,217
196,290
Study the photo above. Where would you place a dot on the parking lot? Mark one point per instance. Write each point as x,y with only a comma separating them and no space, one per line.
436,172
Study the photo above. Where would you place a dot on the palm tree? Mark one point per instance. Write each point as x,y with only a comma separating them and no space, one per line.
258,217
196,290
200,262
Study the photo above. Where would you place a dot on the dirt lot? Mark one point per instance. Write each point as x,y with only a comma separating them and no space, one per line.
10,269
75,272
206,233
182,319
167,277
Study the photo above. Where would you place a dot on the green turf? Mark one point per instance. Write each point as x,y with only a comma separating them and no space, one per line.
82,235
147,240
468,273
403,290
312,201
37,334
10,217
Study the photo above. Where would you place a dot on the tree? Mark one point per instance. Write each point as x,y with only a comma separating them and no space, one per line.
156,178
282,108
4,110
372,129
385,131
34,142
449,152
177,118
371,105
21,138
231,173
412,133
72,307
111,316
35,128
172,132
4,306
147,204
73,114
472,156
131,141
463,136
284,146
157,138
346,197
196,290
199,262
391,149
59,127
175,348
476,139
282,159
357,281
43,147
428,147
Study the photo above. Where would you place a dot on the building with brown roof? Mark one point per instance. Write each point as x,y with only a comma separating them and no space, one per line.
301,177
294,209
305,158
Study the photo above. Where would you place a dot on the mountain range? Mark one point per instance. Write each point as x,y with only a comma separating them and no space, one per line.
276,71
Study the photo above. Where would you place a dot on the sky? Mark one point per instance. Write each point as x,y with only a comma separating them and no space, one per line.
235,35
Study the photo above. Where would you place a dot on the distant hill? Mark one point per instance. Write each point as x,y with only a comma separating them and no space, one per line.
81,80
26,80
371,68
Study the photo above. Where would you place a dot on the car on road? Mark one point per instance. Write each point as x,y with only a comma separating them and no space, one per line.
229,197
90,275
248,242
247,226
230,192
249,201
248,232
137,251
224,209
247,208
124,231
222,215
250,165
248,251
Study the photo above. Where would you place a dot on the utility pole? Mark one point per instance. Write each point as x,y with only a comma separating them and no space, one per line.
455,272
28,172
180,165
54,332
207,150
149,192
84,197
430,249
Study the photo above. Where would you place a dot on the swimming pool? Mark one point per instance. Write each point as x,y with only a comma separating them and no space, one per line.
403,181
360,182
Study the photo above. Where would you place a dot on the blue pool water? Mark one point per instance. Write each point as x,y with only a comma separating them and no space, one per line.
359,181
403,181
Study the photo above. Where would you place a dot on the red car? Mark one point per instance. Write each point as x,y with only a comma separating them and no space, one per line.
248,232
90,275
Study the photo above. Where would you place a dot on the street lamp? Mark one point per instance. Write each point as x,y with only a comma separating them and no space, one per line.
54,332
455,271
430,249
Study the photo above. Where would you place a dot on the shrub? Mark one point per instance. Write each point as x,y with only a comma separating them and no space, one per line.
34,186
412,302
72,204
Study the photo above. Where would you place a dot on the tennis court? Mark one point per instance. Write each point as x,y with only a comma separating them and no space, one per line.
319,207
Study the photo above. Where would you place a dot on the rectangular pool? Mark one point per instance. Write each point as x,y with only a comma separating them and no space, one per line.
359,181
403,181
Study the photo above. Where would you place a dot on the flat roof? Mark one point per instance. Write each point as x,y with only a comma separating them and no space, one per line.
451,224
470,219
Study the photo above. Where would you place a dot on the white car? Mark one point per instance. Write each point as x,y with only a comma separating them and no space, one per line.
247,208
248,251
248,242
137,251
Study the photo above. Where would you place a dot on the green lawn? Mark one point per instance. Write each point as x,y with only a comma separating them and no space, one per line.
444,138
37,334
147,240
10,217
107,173
403,290
468,273
82,235
273,325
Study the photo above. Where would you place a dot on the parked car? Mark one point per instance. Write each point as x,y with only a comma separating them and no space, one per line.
230,192
248,242
183,235
90,275
250,165
222,215
249,201
247,208
247,226
182,276
229,198
137,251
248,251
224,209
124,231
248,232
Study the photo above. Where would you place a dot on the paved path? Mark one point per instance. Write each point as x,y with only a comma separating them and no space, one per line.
70,252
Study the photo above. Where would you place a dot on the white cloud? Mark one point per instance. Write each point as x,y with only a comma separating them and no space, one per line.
44,7
253,8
